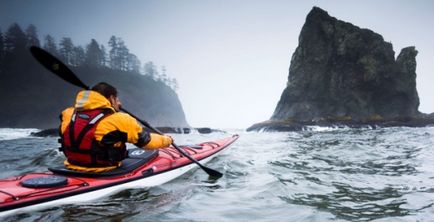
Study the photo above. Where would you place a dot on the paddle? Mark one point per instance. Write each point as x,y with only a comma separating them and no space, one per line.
61,70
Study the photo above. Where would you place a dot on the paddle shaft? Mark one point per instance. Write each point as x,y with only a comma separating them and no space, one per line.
61,70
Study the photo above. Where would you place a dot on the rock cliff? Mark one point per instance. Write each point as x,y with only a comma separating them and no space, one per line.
35,97
343,74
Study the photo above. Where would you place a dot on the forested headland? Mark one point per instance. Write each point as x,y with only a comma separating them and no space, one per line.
31,96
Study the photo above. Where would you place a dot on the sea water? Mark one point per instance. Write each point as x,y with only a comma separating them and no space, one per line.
321,174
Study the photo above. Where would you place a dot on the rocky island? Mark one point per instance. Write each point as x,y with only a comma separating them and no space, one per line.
341,74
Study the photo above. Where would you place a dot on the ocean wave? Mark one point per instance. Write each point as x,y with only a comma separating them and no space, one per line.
15,133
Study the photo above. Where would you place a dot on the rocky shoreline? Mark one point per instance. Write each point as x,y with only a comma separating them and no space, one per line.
294,125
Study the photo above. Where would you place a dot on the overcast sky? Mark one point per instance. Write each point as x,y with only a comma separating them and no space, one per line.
231,58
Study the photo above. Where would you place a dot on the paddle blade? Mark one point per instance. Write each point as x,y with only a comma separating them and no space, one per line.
56,66
213,174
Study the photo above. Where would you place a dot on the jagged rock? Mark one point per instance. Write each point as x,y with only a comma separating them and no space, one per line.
341,73
174,130
46,133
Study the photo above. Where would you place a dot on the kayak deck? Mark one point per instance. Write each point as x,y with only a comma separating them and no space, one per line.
149,168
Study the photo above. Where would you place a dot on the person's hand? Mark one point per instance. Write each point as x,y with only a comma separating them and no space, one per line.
159,141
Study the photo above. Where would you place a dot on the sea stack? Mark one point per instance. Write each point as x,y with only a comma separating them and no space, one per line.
343,74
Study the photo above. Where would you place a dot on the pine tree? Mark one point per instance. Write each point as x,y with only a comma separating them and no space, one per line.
150,70
120,57
133,63
15,40
164,77
50,45
32,36
79,56
66,50
94,55
2,51
175,84
123,55
113,53
104,55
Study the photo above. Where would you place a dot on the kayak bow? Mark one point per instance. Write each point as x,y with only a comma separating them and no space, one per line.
142,169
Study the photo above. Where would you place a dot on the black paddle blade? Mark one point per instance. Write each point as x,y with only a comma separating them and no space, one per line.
213,174
56,66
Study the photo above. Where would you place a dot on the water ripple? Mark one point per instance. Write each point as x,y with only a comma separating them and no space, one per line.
315,175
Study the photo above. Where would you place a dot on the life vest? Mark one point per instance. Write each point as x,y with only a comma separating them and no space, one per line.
79,144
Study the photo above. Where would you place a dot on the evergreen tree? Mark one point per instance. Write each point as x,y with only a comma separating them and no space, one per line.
120,56
150,70
2,52
164,77
50,44
123,55
113,53
133,63
175,84
66,50
32,36
79,56
15,40
104,55
94,55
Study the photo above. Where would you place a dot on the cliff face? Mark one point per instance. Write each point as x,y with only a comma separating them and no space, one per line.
34,97
341,73
345,72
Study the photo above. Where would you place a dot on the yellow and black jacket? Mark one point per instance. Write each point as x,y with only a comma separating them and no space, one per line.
93,134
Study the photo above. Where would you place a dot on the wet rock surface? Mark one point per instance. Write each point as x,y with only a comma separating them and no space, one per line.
341,74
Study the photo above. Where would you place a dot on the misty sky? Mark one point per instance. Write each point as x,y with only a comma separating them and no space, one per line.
231,58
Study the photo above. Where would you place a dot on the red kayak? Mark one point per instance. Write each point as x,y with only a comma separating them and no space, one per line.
141,169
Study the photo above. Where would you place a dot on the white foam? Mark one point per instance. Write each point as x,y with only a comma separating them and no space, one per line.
15,133
325,128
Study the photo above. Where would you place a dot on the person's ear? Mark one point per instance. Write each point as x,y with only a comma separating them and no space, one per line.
112,99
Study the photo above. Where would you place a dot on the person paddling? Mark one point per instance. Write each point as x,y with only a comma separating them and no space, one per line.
94,133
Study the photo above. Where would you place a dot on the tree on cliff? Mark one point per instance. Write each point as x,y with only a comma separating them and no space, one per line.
120,56
2,51
118,53
66,50
150,70
50,44
79,56
17,64
32,36
15,40
133,63
94,55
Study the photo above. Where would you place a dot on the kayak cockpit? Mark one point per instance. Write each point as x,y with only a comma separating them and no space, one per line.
136,158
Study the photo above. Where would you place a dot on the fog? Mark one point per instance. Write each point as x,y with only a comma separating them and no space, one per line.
231,58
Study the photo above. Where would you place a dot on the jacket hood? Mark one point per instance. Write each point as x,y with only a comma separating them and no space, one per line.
88,100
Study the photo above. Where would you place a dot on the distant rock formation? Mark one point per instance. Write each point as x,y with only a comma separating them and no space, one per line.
342,74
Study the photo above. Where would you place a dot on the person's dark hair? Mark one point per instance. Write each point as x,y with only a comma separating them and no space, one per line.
105,89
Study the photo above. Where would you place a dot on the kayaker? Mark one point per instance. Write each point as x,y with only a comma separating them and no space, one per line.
94,133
